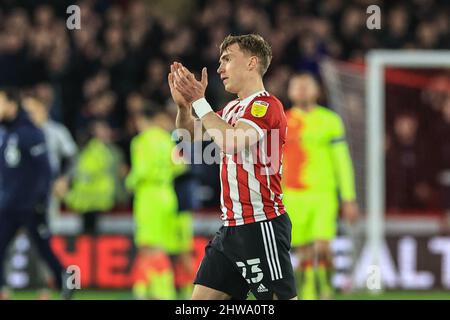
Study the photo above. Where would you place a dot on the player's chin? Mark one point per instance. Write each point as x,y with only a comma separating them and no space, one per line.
304,102
229,88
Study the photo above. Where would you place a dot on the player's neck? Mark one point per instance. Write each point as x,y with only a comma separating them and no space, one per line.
306,107
145,126
250,88
155,124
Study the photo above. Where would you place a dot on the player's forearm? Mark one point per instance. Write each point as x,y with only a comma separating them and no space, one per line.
344,171
229,139
130,181
144,176
185,120
136,177
68,166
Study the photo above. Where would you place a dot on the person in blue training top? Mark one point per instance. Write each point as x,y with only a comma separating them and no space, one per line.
25,178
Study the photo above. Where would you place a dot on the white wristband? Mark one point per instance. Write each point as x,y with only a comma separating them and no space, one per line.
201,107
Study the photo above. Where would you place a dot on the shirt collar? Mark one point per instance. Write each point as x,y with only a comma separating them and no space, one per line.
250,98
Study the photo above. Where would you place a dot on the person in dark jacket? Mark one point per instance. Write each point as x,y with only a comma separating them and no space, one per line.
25,177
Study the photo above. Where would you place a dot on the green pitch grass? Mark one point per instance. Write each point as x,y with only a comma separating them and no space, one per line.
397,295
126,295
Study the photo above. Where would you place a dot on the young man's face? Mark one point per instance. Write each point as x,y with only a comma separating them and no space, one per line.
303,90
5,107
102,131
36,109
233,66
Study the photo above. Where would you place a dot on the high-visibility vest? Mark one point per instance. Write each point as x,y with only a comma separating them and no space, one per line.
93,186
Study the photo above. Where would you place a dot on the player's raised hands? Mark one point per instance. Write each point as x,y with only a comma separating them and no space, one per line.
189,87
176,95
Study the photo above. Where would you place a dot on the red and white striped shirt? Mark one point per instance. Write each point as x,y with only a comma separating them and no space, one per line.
251,179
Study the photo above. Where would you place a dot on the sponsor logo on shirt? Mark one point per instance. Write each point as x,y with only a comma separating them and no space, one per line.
37,150
262,288
259,109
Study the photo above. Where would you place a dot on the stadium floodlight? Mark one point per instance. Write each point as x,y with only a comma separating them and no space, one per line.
376,62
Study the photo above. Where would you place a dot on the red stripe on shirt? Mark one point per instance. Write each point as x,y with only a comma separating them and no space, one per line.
244,192
228,204
265,192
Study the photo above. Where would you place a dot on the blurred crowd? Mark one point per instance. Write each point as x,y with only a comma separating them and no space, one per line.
119,59
418,144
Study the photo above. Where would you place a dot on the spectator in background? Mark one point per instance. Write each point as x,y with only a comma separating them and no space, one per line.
113,57
278,81
96,84
155,87
397,31
408,166
444,157
13,58
102,106
95,186
134,104
119,38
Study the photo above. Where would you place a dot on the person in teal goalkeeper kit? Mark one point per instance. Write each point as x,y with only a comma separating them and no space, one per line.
155,206
316,169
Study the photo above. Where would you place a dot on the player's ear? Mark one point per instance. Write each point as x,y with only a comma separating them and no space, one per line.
253,63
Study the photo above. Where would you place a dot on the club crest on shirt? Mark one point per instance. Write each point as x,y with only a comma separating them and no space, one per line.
12,152
259,109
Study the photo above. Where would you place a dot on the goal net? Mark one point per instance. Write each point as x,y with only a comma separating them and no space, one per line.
396,109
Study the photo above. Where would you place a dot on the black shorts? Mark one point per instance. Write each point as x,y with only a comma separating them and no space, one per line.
253,257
